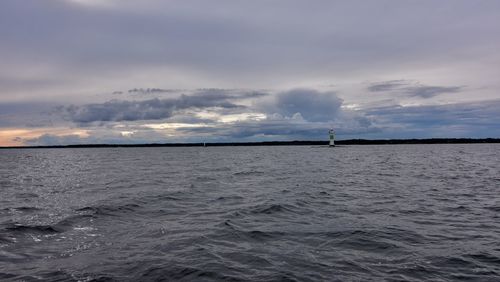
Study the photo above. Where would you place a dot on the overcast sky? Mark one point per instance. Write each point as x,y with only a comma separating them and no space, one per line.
127,71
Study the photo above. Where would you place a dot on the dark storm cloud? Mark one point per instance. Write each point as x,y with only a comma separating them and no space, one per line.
311,104
412,89
153,109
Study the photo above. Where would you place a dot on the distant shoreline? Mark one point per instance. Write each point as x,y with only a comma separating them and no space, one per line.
279,143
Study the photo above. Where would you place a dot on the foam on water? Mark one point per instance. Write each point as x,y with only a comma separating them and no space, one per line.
393,212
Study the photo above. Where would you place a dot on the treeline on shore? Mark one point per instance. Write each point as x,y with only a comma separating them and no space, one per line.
281,143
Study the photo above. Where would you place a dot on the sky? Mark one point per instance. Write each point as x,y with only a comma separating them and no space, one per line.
163,71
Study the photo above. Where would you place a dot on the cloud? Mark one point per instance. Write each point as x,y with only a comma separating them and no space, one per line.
232,94
293,114
475,119
228,94
413,89
51,139
279,128
68,51
151,90
98,136
386,85
153,109
28,114
218,93
273,128
240,44
311,104
430,91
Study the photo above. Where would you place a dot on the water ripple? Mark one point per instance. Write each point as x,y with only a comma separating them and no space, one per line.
356,213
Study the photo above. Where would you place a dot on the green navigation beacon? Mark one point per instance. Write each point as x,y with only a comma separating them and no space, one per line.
332,138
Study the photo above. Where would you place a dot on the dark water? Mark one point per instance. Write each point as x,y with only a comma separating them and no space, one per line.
354,213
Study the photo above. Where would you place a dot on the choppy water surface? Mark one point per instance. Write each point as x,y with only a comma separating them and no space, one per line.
400,212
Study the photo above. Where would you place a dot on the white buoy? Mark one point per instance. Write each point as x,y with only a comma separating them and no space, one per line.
332,138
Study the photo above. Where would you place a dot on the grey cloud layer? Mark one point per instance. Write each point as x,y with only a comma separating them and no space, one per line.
412,89
479,119
431,91
311,104
97,137
156,109
26,114
297,113
283,129
387,85
244,41
64,52
150,90
153,109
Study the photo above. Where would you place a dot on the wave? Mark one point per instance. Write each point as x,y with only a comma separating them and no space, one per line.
251,234
47,229
42,229
109,210
312,216
27,195
228,198
158,273
23,209
271,209
4,240
299,207
493,208
249,173
5,276
485,258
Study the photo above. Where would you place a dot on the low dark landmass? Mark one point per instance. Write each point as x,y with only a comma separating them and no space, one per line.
279,143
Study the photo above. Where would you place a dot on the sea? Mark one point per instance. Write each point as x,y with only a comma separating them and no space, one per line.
266,213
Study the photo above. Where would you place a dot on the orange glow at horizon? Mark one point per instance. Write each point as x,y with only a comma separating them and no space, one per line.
14,136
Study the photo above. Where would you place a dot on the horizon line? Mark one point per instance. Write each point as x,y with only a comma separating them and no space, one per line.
397,141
